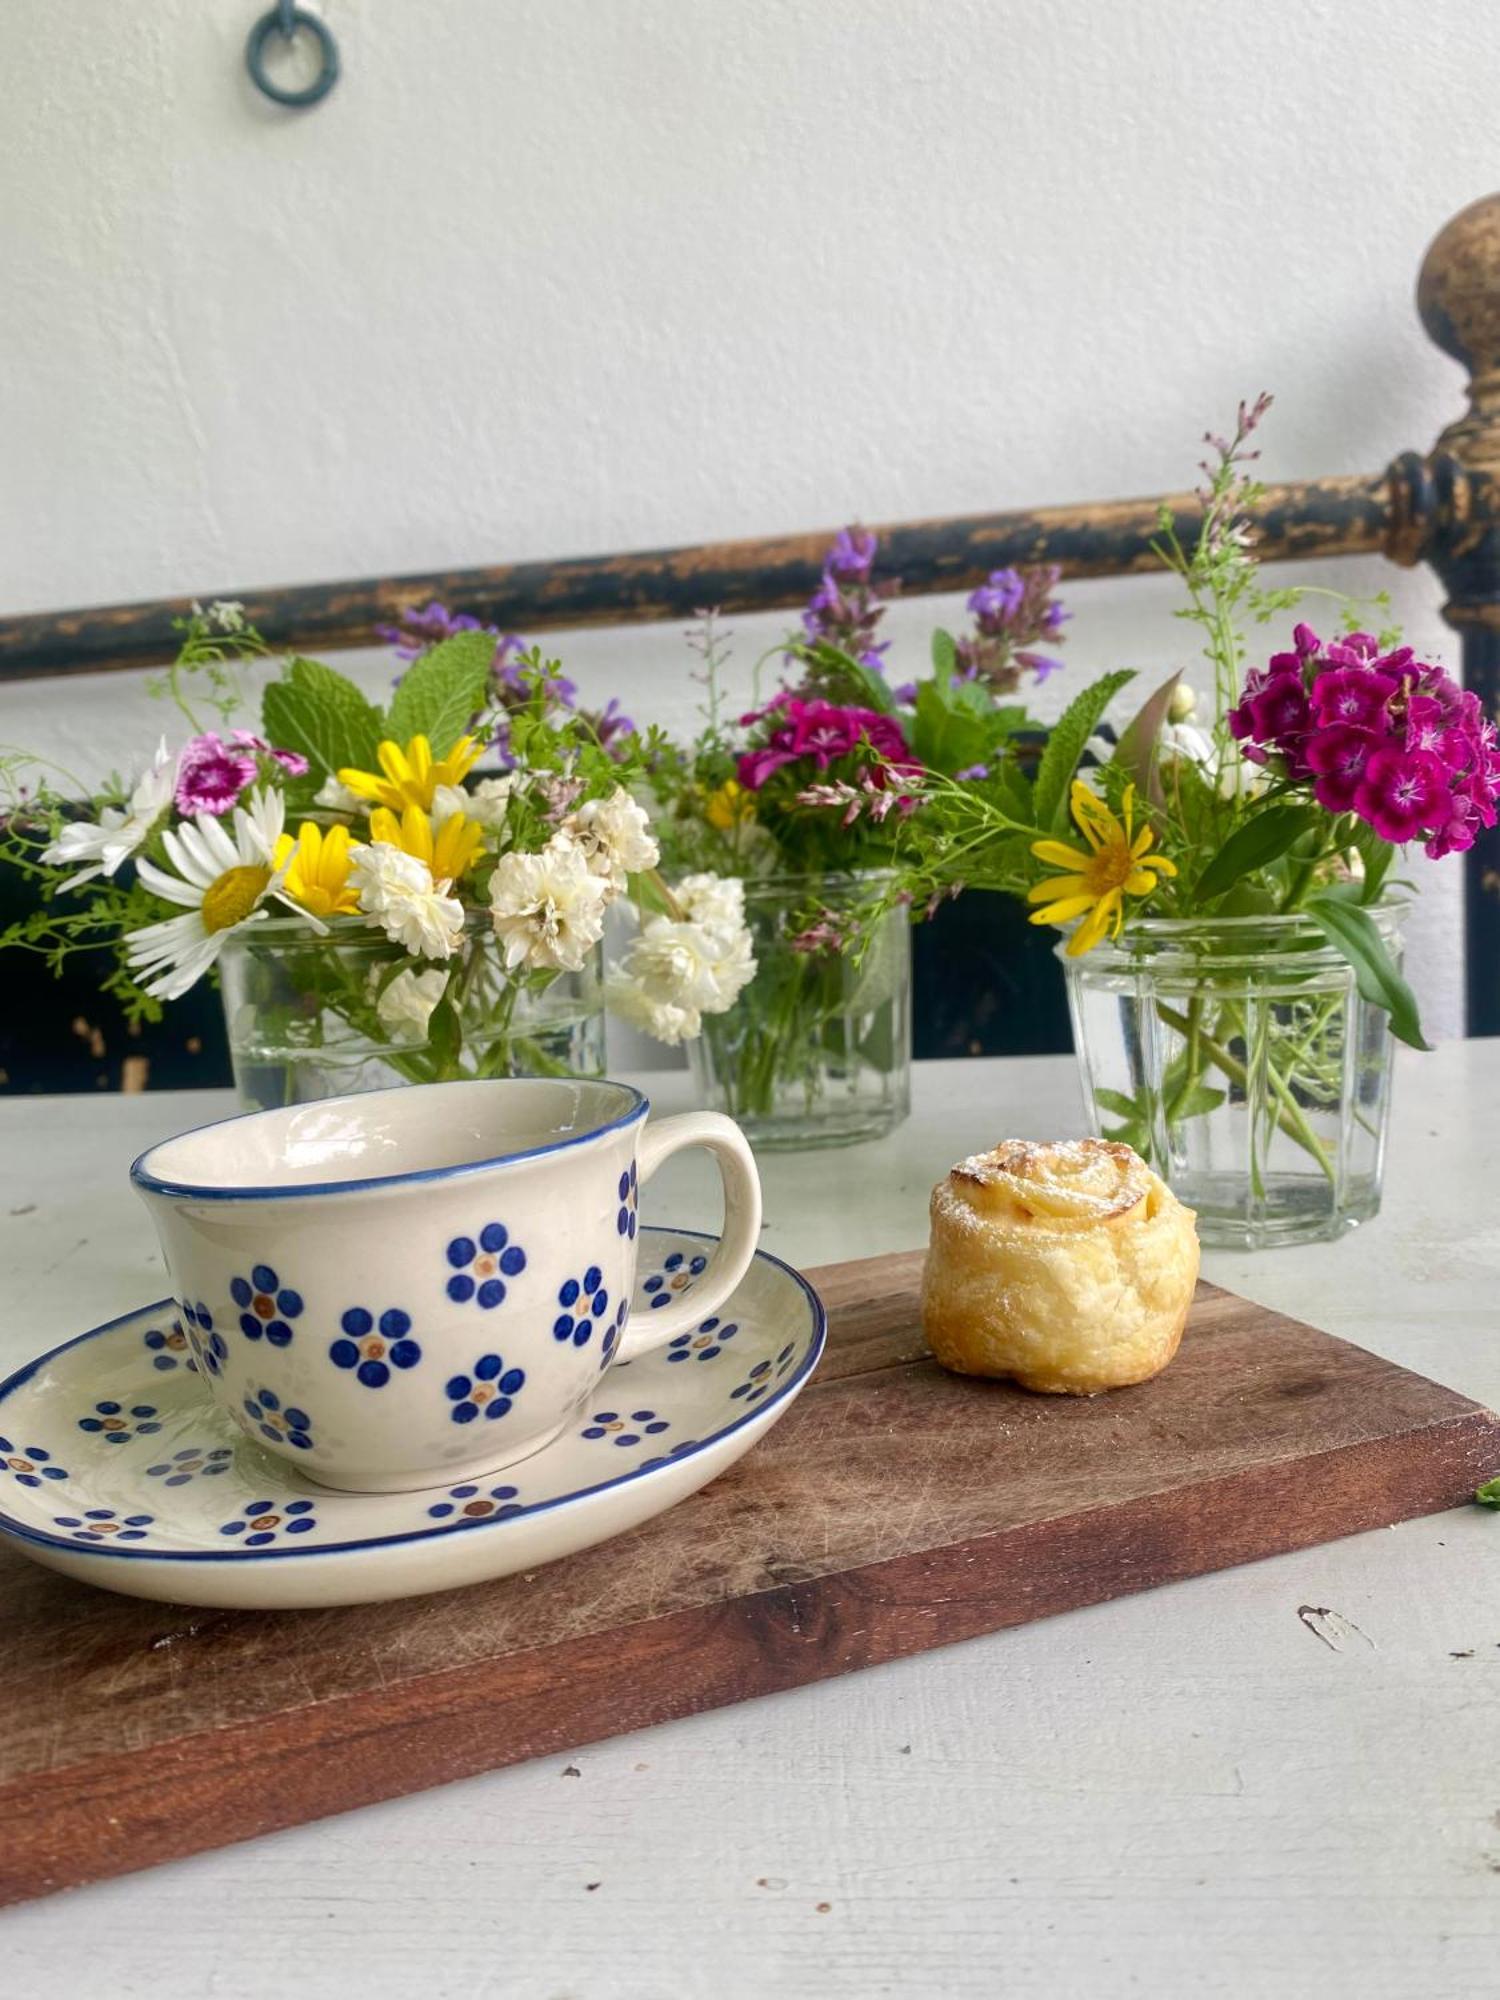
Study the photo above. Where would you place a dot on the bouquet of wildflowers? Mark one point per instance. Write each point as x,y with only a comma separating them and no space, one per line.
748,798
422,902
1313,772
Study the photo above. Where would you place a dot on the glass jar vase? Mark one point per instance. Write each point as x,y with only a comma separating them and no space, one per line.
1237,1055
311,1017
817,1049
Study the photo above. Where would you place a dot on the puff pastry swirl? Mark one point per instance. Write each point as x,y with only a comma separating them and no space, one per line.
1068,1267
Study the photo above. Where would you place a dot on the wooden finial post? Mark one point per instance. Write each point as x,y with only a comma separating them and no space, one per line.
1453,522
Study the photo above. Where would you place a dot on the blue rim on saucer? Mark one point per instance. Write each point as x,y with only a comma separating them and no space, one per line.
115,1464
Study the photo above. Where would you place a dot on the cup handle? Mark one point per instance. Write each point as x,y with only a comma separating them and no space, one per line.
741,1233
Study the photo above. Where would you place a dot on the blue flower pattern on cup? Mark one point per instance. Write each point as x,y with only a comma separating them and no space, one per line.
763,1376
707,1344
210,1349
488,1390
262,1522
612,1335
468,1504
267,1307
117,1425
584,1302
194,1461
625,1431
169,1348
28,1464
481,1268
676,1274
103,1524
278,1422
625,1221
371,1351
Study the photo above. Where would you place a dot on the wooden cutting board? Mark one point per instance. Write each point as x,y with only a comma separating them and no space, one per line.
895,1508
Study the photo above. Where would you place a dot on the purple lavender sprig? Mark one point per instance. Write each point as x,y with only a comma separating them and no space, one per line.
1013,612
846,608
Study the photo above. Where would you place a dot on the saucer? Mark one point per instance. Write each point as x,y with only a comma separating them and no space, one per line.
118,1468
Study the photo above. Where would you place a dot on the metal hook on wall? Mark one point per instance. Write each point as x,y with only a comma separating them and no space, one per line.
286,21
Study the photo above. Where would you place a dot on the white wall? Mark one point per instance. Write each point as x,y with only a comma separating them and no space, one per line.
549,276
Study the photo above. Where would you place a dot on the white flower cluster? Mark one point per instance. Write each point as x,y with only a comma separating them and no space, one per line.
398,891
548,908
680,968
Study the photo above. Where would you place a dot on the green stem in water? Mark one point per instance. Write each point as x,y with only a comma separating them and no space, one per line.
1290,1118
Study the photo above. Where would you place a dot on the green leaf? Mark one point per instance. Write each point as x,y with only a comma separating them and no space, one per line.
1377,855
1135,753
441,692
949,734
1263,837
1117,1102
1065,745
1195,1102
1354,931
1488,1495
444,1035
944,655
319,712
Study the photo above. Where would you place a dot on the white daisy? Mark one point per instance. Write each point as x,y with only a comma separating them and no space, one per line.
221,882
548,908
121,829
398,891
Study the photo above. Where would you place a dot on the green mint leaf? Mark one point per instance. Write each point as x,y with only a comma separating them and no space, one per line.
318,712
1065,746
1262,838
442,691
1354,931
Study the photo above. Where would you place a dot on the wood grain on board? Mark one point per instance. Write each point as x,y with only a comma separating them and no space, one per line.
894,1509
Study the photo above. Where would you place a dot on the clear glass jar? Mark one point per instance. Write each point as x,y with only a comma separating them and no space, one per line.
817,1049
1237,1056
311,1017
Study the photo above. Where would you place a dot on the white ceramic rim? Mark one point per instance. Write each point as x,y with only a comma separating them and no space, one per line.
636,1105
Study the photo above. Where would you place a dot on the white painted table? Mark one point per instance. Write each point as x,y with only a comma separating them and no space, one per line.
1182,1793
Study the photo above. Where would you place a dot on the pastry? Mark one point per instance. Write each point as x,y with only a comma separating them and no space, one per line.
1068,1267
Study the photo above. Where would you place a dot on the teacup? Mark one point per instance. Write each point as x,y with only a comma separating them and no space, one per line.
418,1285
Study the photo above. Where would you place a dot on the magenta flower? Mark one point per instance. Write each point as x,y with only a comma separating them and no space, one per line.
1337,757
1356,696
1385,735
211,775
820,733
1404,793
291,761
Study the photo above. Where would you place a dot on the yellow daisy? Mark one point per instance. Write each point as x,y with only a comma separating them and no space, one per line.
317,869
449,852
1115,865
412,775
